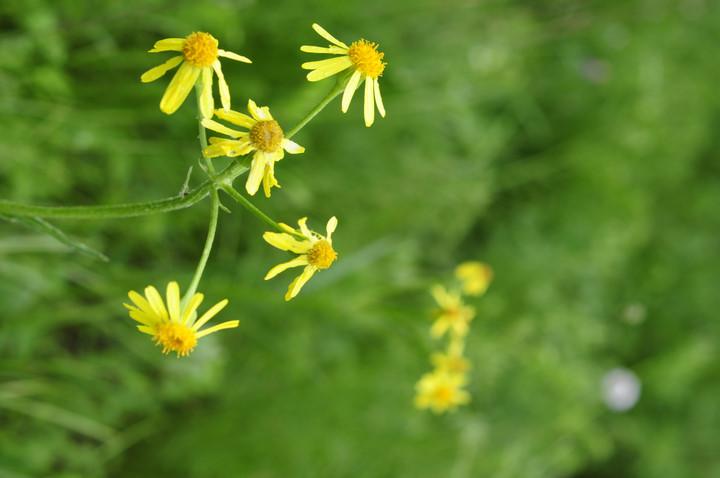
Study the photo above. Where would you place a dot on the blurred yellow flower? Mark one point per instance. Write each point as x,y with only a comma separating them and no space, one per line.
315,252
264,136
474,276
199,58
451,362
174,327
452,313
363,57
440,391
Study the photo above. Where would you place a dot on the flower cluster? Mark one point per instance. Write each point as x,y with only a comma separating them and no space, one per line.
173,323
442,389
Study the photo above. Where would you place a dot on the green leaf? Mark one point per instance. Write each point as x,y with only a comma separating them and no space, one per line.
42,225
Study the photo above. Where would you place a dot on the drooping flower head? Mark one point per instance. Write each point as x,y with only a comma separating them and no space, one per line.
315,252
263,135
441,391
362,57
198,59
452,314
474,276
175,328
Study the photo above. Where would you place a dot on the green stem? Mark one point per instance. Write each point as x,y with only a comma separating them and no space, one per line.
116,211
339,87
233,193
214,208
175,203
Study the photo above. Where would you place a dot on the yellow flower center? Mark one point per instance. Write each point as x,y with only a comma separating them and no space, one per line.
266,136
366,58
200,49
443,395
175,337
322,255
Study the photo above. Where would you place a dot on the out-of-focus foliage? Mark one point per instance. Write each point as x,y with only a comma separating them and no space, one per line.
571,145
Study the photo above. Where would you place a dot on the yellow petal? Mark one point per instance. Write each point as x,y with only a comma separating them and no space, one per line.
324,33
222,85
269,180
286,242
439,328
378,98
179,88
297,262
191,307
442,297
257,168
333,50
287,228
156,302
292,147
235,117
142,317
221,128
266,112
326,63
350,88
207,103
230,324
146,330
322,73
302,222
173,301
140,301
154,73
330,228
212,312
299,282
229,148
168,44
260,114
234,56
369,111
475,277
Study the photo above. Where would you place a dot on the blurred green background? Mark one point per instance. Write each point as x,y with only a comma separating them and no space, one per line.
572,145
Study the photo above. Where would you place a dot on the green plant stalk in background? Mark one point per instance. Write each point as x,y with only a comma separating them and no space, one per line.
225,178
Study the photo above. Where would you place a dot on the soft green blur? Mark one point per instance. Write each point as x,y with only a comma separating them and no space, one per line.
572,145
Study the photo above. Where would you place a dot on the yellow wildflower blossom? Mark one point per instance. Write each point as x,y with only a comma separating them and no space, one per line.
450,362
198,60
441,391
315,252
264,136
363,57
175,328
452,313
474,276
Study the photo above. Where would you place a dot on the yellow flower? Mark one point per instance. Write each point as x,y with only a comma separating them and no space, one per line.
440,391
474,276
199,58
452,363
452,314
315,252
175,327
363,57
264,136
